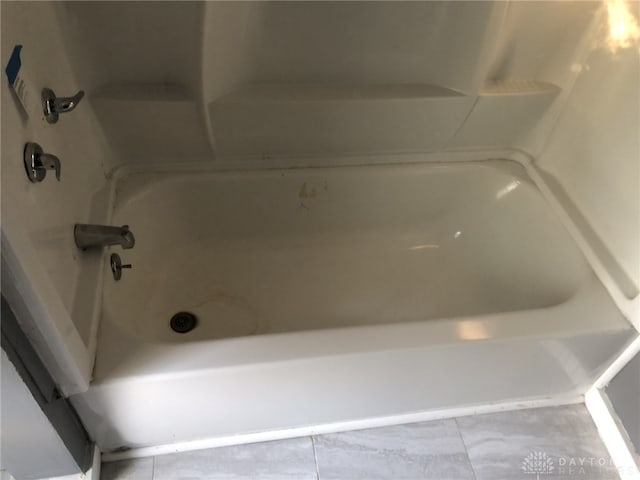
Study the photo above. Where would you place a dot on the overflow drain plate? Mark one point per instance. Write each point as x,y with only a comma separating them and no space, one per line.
183,322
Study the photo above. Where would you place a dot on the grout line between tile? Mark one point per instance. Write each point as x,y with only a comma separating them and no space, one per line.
466,450
153,468
315,457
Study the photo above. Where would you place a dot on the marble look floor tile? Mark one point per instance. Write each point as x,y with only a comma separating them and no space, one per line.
429,450
281,460
136,469
563,440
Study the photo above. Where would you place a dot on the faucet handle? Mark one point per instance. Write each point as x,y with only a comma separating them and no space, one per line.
116,266
53,106
36,163
51,162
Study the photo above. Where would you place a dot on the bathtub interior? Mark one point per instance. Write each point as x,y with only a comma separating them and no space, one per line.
260,252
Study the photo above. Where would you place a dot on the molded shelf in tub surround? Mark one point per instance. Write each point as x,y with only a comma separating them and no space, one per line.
519,87
151,122
506,111
323,119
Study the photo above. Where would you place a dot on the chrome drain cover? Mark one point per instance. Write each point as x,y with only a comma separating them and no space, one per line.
183,322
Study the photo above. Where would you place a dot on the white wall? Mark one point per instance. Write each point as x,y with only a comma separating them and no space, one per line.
624,394
133,42
594,155
31,448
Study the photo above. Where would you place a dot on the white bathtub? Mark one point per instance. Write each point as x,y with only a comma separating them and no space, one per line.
336,295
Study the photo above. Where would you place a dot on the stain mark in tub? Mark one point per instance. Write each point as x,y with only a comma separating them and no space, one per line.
303,191
228,314
303,194
309,191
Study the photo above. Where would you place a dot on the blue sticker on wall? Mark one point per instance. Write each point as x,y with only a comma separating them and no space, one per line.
13,67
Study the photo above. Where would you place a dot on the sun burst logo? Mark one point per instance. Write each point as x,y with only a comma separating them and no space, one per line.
537,463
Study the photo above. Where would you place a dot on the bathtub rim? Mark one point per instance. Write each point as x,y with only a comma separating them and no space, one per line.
297,162
171,173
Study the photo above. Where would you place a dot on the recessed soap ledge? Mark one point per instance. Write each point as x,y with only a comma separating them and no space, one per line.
155,92
329,92
518,87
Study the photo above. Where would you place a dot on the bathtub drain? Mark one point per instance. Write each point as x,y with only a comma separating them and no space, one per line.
183,322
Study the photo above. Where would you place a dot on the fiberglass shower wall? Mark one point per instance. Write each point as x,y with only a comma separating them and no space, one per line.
39,259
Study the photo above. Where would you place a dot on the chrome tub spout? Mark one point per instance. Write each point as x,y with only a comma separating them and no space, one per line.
96,236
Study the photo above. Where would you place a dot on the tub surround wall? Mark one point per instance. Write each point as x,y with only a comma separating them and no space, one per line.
468,47
360,43
137,43
140,63
250,81
593,156
543,43
153,122
54,287
504,114
367,70
295,120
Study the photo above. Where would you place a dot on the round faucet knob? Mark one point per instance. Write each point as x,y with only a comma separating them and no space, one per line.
117,266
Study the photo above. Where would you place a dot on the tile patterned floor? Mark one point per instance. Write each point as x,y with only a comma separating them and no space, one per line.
559,443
